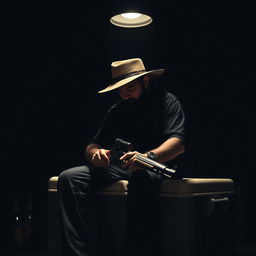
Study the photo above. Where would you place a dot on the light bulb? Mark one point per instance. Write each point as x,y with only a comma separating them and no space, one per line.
131,15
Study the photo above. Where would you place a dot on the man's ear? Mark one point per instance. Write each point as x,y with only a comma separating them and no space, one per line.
146,81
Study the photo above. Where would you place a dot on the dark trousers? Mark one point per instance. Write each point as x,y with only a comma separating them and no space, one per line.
76,183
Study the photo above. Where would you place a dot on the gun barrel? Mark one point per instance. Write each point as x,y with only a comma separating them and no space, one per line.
155,165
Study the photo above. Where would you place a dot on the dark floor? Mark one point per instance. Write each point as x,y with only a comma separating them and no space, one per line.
241,251
248,250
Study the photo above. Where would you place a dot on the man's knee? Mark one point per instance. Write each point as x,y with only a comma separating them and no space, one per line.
73,175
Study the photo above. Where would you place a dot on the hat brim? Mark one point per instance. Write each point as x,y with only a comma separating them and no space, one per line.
152,73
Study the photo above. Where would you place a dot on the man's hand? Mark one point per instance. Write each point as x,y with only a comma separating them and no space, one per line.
101,157
129,160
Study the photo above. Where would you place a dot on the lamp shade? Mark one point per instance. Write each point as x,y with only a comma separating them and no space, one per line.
131,20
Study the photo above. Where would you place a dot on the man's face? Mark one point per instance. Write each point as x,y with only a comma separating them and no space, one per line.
131,91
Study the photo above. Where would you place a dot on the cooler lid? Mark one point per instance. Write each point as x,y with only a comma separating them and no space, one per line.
196,186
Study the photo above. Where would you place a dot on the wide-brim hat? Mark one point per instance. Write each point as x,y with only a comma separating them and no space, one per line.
125,71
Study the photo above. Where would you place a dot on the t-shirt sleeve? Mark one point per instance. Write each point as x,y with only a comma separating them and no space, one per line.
105,134
173,119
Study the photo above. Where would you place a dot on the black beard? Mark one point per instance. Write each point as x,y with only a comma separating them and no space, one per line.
140,100
132,101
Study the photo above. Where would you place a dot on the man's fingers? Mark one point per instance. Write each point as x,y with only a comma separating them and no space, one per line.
128,155
101,157
128,160
105,153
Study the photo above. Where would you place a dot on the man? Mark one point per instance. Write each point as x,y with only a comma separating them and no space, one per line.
153,121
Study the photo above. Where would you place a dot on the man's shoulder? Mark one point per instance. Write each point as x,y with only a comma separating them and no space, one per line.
168,98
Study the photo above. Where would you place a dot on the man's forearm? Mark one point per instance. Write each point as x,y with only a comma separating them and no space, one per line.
168,150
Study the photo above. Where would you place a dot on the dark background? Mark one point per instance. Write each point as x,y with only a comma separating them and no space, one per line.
55,56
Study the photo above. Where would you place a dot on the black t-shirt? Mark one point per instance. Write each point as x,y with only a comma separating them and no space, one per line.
147,123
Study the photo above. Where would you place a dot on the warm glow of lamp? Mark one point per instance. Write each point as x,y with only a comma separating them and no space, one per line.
131,20
131,15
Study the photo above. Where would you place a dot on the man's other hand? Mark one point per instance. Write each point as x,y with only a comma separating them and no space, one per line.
101,157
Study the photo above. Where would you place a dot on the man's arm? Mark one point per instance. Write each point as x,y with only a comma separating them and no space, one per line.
97,156
168,150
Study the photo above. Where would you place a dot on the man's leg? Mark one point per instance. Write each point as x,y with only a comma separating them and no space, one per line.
142,212
73,187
